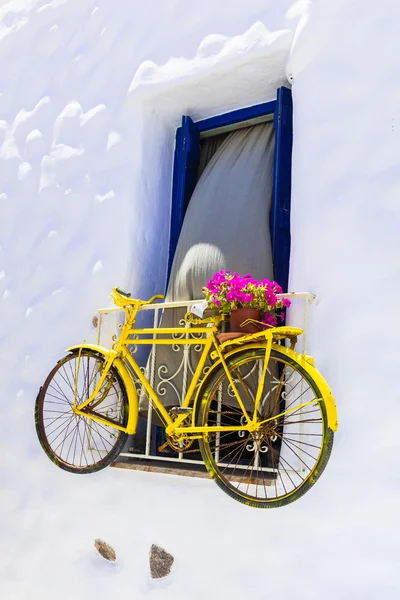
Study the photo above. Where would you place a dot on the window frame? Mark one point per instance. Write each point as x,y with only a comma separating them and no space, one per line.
187,144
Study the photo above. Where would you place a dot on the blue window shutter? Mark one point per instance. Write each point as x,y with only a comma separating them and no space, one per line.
186,161
280,212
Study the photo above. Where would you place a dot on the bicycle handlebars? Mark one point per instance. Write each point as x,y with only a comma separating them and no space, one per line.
122,292
156,297
121,298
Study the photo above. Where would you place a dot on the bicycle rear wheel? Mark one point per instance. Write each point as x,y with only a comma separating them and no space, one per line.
73,442
279,463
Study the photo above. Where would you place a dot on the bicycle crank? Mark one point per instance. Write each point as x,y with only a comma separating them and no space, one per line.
178,443
181,444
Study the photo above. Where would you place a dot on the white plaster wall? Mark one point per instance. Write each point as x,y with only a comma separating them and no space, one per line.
345,248
91,93
346,218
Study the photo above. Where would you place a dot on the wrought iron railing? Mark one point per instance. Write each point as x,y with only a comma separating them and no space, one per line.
147,442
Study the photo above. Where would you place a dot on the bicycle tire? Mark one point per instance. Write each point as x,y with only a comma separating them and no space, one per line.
221,476
57,391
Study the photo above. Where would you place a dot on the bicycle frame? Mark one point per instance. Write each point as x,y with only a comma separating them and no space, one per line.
172,425
120,355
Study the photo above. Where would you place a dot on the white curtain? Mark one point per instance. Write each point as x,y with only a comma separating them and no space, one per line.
226,226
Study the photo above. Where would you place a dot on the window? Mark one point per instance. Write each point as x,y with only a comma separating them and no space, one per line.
187,156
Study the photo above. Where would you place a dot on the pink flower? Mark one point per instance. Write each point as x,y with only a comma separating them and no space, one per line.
286,302
269,319
248,298
249,279
270,298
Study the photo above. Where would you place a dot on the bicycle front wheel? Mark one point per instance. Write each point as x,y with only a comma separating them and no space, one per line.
280,462
73,442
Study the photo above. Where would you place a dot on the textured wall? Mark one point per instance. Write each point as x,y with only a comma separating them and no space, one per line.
90,95
346,223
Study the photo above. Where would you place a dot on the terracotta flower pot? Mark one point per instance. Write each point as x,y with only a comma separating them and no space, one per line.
240,315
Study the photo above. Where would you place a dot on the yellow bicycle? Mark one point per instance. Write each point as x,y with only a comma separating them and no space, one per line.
263,415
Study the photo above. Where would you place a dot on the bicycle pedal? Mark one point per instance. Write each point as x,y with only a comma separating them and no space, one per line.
163,447
180,410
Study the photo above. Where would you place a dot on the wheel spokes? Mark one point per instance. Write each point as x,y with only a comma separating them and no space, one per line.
274,461
75,439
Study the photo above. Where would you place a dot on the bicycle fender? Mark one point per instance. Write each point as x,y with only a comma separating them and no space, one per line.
301,359
127,381
306,363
